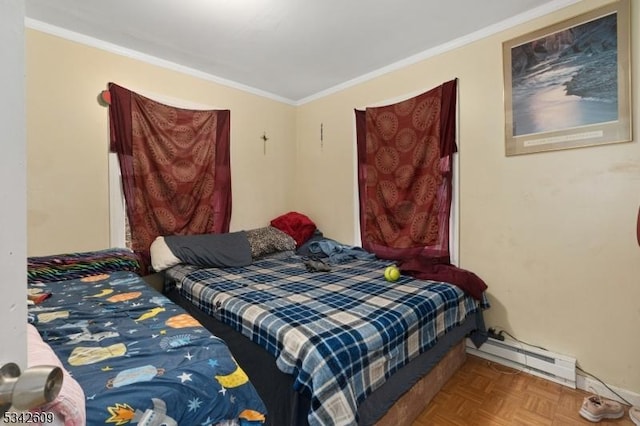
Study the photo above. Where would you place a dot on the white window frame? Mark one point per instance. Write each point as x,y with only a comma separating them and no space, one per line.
117,231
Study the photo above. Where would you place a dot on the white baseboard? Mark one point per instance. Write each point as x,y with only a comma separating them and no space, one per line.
530,359
582,381
590,385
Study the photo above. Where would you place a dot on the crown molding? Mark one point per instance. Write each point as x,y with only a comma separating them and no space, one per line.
454,44
545,9
143,57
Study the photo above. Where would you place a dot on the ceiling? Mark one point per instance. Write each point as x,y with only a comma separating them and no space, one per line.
290,50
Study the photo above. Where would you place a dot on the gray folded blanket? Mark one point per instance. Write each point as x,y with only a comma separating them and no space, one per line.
212,250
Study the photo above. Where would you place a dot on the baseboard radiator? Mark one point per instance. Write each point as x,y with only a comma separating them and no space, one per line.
539,362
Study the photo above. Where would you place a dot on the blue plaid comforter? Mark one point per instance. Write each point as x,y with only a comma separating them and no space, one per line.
339,333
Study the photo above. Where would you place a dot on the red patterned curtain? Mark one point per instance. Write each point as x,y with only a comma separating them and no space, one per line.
404,175
175,168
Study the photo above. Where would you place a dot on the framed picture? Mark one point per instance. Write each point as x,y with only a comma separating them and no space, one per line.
568,85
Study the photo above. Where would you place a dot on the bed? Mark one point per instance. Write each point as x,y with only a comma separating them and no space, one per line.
138,357
338,347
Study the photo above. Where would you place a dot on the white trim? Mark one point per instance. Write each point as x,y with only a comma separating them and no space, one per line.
530,359
454,219
454,44
590,385
143,57
357,238
116,204
516,360
454,225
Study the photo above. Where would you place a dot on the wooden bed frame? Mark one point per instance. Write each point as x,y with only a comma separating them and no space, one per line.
416,399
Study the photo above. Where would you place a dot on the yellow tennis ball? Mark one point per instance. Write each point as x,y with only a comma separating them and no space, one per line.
392,273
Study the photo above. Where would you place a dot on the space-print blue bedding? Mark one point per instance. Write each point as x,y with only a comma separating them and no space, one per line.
140,358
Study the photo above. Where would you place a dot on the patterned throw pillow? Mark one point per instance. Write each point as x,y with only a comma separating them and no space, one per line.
269,240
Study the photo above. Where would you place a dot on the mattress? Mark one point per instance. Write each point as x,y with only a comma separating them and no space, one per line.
341,335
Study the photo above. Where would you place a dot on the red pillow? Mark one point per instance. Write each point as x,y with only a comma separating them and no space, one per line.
299,226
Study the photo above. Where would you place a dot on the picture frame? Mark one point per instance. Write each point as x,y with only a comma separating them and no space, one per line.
568,85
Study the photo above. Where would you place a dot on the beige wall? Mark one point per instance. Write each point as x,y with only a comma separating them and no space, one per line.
67,142
553,234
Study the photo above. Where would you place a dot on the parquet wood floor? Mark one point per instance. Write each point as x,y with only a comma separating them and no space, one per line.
483,393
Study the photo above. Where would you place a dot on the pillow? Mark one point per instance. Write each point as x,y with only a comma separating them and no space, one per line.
70,402
161,255
299,226
70,266
269,240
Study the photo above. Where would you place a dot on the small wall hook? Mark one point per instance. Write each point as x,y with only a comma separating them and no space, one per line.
264,142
